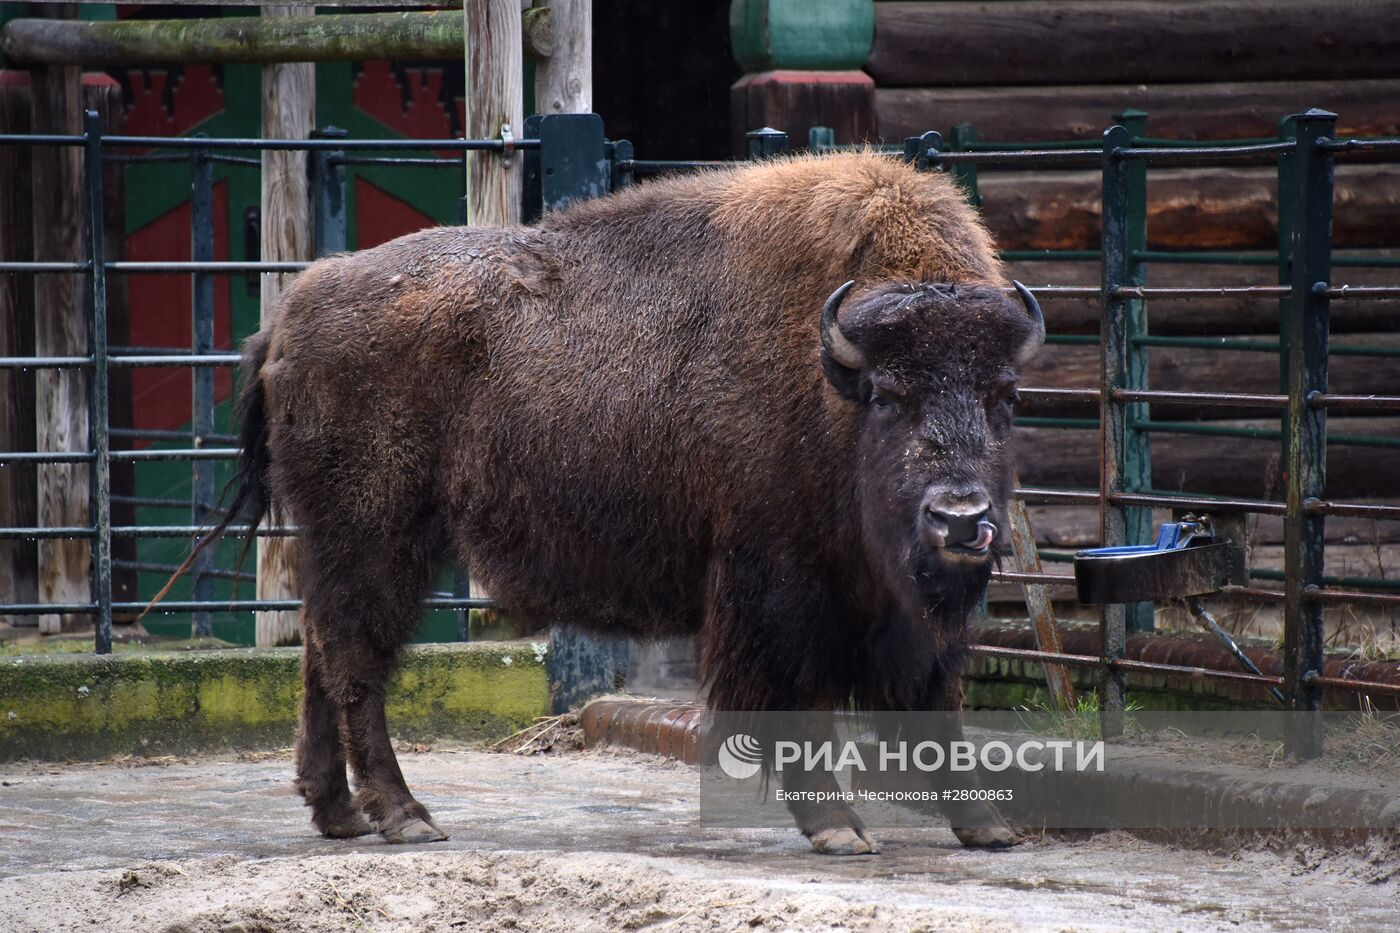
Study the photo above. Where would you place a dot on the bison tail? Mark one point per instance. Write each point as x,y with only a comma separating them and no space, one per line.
248,485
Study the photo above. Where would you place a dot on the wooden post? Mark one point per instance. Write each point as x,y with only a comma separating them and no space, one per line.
564,80
60,329
19,560
494,99
288,112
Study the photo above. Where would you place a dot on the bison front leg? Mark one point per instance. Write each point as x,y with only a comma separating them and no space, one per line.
832,826
976,823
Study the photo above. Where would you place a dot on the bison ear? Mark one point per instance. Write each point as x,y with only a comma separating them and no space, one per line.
847,382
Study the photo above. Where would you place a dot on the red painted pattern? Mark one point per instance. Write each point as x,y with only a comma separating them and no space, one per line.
161,311
158,108
409,100
381,217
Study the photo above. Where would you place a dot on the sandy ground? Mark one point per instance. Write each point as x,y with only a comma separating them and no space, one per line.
591,841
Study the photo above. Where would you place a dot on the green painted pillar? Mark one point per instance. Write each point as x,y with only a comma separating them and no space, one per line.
802,61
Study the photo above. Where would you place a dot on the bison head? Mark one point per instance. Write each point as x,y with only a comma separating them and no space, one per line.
934,370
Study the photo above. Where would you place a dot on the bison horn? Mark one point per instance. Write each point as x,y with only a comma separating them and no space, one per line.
1037,338
833,341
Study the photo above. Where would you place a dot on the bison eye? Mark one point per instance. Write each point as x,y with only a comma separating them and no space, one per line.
879,401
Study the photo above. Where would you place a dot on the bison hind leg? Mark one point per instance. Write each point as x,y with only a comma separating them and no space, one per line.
363,593
320,757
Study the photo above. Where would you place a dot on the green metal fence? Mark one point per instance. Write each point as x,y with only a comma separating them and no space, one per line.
567,157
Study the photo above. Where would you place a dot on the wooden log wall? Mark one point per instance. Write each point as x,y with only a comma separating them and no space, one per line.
1031,70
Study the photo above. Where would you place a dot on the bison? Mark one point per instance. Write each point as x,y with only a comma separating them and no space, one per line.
651,415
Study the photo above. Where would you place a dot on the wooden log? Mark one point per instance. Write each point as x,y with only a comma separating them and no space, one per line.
795,101
1182,369
246,40
1082,41
288,112
60,329
19,560
1188,209
564,80
1225,466
493,100
1213,316
1178,111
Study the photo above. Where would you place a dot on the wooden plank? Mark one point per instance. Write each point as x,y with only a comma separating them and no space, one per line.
1039,608
60,329
493,100
1214,316
1226,466
19,560
1188,209
1082,41
1179,111
564,80
246,40
288,112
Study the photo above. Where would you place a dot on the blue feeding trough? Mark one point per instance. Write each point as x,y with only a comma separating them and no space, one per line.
1187,560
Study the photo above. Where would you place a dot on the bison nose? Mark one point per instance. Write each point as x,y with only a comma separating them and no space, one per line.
957,519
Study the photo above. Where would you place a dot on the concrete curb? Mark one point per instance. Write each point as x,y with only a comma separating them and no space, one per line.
1147,787
84,707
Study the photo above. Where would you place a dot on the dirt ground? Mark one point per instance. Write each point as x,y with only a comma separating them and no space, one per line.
591,841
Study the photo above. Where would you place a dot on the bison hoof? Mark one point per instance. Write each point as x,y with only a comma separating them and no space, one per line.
844,841
987,837
347,827
414,830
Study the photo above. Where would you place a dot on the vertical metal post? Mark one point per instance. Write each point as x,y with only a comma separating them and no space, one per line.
101,507
965,173
329,196
1136,448
573,166
1114,358
462,589
820,139
922,151
622,155
1310,247
766,143
202,396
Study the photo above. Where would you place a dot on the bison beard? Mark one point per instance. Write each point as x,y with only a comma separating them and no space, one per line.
634,417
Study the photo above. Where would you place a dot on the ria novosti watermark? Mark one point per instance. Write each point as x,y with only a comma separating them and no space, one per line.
741,756
1198,770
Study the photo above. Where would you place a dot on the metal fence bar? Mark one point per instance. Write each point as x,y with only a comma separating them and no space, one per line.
1306,448
202,377
98,419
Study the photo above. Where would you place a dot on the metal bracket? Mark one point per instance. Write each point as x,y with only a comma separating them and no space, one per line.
507,145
